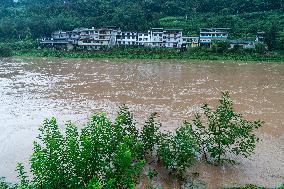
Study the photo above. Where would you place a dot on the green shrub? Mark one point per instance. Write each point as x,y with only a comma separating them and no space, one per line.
179,151
6,185
225,131
107,155
103,154
150,134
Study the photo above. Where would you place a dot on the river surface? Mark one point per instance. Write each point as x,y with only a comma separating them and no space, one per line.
32,89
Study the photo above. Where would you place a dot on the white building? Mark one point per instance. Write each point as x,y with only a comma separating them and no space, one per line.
95,39
208,35
144,39
190,41
126,38
172,38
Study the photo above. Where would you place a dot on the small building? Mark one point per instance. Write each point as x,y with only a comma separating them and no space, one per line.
190,42
58,39
208,35
243,44
260,37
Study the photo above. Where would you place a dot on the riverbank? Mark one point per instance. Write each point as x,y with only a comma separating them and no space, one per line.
161,53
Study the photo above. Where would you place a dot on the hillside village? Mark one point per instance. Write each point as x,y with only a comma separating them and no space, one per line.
97,39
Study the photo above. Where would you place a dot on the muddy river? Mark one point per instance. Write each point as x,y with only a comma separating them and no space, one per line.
32,89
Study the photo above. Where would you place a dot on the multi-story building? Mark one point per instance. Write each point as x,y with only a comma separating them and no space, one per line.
208,35
95,39
144,39
190,41
126,38
58,38
157,37
172,38
160,37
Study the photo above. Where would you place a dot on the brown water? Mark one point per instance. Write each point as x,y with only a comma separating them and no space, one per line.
72,89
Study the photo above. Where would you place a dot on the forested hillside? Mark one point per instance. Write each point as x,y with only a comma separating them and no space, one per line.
20,18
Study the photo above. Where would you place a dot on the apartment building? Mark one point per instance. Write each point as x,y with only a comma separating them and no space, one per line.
190,41
126,38
95,39
144,39
172,38
208,35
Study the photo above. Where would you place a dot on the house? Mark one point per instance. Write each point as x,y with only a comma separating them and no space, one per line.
126,38
208,35
242,43
172,38
168,38
190,42
260,37
95,39
144,39
157,37
58,38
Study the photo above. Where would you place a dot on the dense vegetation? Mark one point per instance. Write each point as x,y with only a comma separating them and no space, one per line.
158,53
40,17
112,154
22,19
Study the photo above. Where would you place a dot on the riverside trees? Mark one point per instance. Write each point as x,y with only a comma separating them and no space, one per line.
112,154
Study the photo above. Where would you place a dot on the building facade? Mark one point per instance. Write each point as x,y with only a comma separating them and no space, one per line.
96,39
209,35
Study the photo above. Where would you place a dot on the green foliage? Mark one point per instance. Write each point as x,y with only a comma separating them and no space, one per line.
150,134
180,150
152,53
5,52
36,18
225,131
107,154
24,182
220,46
6,185
260,48
102,155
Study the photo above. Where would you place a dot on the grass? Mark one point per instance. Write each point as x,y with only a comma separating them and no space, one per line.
147,53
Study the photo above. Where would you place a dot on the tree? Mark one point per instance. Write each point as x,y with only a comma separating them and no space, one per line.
225,131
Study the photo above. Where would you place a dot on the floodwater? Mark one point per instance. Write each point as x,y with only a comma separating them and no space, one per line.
32,89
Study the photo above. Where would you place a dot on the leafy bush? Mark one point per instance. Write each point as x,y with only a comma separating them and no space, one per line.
103,154
226,131
106,154
6,185
180,150
150,134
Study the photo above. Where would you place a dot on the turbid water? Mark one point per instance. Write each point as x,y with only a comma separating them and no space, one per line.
32,89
